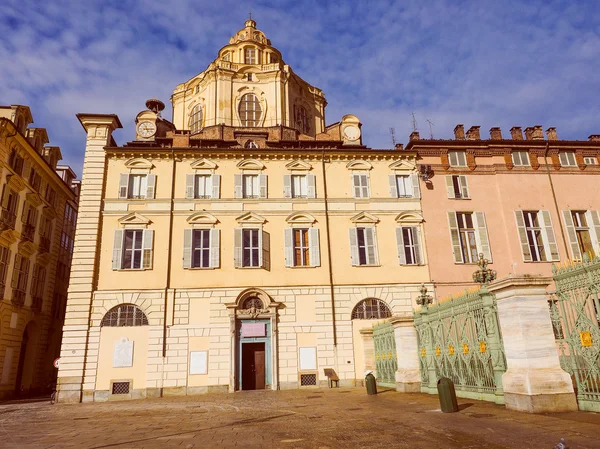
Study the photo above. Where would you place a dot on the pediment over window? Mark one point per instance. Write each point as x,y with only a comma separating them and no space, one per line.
251,218
404,164
139,162
251,164
203,164
134,219
298,165
49,212
301,218
34,199
16,183
364,218
27,248
202,218
8,237
359,165
409,217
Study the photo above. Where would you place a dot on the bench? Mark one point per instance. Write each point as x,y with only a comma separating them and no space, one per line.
332,377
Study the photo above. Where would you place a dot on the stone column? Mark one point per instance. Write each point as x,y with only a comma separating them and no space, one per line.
408,374
78,356
534,381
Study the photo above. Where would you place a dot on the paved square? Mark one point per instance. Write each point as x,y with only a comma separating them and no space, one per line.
337,418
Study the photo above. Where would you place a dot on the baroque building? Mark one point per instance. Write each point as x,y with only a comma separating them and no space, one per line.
37,228
242,245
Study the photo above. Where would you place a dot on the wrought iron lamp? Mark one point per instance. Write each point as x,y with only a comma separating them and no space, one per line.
424,299
484,275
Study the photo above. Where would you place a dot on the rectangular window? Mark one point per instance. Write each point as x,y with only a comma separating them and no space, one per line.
468,241
249,76
301,248
366,246
16,162
567,158
132,249
411,246
202,186
34,179
250,186
19,278
50,195
457,187
405,186
457,158
201,248
520,158
534,236
226,56
137,186
4,258
299,186
361,186
582,231
250,56
590,160
250,248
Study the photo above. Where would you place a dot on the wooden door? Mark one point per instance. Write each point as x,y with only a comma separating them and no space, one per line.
259,368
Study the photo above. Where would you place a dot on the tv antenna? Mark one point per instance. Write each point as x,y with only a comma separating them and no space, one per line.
393,133
414,121
430,128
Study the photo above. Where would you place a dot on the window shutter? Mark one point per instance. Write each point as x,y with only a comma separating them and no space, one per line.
481,236
450,187
123,185
525,250
151,187
311,186
14,282
393,186
187,248
26,168
147,244
23,284
266,250
288,242
549,239
370,234
117,249
287,186
400,246
568,219
5,194
455,237
416,235
356,186
464,187
189,186
237,247
263,185
24,212
215,250
33,288
237,188
34,214
416,185
593,220
313,244
216,186
352,233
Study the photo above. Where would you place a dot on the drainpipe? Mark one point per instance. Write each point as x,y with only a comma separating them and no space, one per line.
327,231
562,230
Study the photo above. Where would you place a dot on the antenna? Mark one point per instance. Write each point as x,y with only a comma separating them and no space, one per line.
430,128
393,133
414,121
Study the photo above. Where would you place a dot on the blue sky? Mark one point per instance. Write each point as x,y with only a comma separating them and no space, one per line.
488,63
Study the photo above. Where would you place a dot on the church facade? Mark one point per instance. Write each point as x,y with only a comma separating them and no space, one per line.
242,245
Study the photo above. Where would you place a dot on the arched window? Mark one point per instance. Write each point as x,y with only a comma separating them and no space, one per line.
251,144
250,56
302,122
124,315
227,56
250,110
253,302
371,309
196,119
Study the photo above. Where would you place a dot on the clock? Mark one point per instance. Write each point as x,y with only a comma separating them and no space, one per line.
146,129
351,132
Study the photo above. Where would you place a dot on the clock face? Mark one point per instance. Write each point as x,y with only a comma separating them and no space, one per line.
351,132
146,129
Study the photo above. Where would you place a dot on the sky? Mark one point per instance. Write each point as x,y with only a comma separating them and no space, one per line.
488,63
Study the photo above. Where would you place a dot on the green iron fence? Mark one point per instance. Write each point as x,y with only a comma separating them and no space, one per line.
386,361
574,308
461,339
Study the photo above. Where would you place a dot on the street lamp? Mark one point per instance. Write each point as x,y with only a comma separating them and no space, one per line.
484,275
424,299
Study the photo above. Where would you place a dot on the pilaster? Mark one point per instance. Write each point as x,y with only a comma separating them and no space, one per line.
408,374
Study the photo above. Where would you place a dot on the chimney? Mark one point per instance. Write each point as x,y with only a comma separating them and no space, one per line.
551,133
473,133
537,133
516,133
459,132
496,133
594,138
414,135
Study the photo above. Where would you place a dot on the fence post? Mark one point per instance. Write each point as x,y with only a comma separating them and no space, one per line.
495,345
426,350
534,381
408,374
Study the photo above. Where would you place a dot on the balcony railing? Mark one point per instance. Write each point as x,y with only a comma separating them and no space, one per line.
28,232
36,303
44,244
2,288
7,219
18,298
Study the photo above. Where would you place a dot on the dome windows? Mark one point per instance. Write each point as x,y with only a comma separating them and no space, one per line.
249,110
196,119
302,121
250,56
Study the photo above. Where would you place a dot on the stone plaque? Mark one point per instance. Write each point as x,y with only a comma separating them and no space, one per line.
254,329
123,353
13,320
199,362
308,358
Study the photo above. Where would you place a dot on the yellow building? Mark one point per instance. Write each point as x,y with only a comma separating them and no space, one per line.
37,226
240,246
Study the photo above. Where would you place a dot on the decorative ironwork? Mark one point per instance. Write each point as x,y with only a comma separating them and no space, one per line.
120,387
484,275
460,339
8,219
574,311
44,244
18,298
308,380
125,315
424,299
36,303
28,232
386,361
371,309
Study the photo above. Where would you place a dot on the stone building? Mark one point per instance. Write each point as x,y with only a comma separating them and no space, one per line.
524,202
37,227
242,245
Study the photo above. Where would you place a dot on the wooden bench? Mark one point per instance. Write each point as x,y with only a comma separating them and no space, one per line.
332,377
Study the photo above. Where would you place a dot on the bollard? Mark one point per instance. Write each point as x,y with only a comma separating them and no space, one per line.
371,384
447,395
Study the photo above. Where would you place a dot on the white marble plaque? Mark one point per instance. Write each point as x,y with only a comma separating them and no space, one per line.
123,353
199,362
308,358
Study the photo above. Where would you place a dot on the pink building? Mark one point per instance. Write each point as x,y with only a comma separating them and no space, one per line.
525,203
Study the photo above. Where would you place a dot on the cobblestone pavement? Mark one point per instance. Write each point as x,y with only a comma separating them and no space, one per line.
323,419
